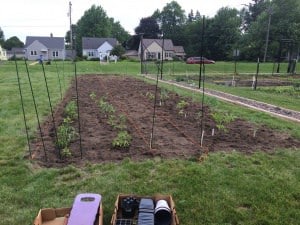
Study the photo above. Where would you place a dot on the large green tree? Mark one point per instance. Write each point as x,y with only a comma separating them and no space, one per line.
148,27
193,35
96,23
68,38
2,39
118,32
172,19
251,12
223,33
285,23
277,20
13,42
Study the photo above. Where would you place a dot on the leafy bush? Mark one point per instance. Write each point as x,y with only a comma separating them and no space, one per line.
118,50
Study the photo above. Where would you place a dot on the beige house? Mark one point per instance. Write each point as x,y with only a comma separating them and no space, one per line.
179,52
158,49
3,55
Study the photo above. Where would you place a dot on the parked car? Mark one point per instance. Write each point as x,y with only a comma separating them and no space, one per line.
198,60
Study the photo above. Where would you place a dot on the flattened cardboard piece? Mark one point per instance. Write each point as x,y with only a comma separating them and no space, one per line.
117,214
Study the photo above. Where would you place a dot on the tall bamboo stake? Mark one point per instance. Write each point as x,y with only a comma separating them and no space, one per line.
22,105
58,77
51,108
78,116
36,111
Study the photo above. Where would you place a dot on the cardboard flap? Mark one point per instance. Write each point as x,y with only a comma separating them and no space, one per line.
48,214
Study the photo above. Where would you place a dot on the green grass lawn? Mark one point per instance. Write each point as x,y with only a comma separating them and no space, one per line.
226,188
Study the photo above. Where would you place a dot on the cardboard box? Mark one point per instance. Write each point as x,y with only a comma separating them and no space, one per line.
59,216
117,214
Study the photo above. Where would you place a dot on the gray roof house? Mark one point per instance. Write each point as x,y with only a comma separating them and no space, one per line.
151,49
45,48
97,47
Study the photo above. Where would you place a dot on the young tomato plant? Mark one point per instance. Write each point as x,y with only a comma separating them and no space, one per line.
181,106
65,134
164,95
93,96
106,108
150,96
222,119
123,140
66,153
71,110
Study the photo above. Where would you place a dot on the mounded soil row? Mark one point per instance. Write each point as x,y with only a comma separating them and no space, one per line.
175,135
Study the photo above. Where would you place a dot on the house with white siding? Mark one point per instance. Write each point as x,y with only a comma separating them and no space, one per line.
3,55
97,47
45,48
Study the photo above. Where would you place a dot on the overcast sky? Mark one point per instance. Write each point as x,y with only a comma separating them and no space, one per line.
23,18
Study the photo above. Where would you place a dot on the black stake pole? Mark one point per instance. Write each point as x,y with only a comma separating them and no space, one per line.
201,53
78,116
202,105
22,104
256,75
154,111
58,77
36,111
51,108
64,74
162,57
159,71
201,79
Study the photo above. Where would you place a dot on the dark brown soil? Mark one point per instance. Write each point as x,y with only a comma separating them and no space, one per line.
174,135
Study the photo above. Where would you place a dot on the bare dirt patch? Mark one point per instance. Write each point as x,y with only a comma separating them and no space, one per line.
175,136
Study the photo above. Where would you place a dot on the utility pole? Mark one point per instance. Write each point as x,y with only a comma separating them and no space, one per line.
269,11
71,33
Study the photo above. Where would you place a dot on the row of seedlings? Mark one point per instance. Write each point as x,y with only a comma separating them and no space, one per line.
116,121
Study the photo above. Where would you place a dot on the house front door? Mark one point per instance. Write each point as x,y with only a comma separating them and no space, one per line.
158,55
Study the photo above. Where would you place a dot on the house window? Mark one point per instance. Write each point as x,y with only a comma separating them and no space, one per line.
55,54
151,55
90,53
168,54
33,53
